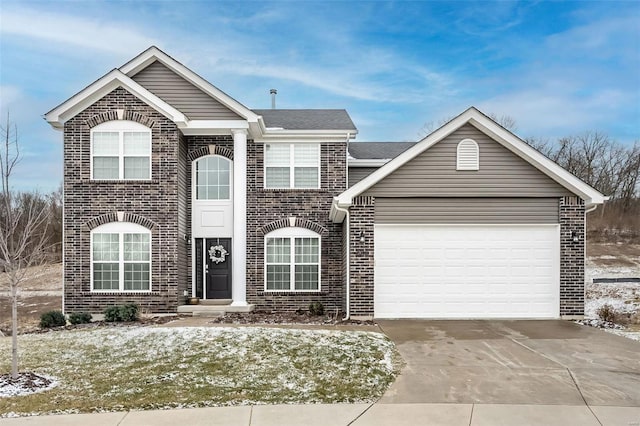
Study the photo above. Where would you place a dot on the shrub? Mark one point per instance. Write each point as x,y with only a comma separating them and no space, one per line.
316,308
121,313
79,318
52,319
607,313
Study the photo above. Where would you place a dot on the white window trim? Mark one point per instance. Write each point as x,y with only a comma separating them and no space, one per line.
292,166
194,181
475,166
121,126
292,233
121,228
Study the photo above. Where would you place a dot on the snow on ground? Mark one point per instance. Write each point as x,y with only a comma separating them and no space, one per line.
25,384
614,261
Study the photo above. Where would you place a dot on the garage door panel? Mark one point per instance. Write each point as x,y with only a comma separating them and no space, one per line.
466,271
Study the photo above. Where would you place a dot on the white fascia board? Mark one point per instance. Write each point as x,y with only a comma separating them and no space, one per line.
514,144
501,135
367,162
153,53
212,127
101,87
305,136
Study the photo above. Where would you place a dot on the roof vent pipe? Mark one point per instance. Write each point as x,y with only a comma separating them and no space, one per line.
273,93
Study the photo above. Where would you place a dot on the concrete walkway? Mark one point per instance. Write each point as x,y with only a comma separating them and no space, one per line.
356,415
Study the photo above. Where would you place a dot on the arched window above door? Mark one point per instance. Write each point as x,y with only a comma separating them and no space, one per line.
213,178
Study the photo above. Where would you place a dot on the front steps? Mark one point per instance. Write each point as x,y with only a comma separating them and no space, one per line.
212,308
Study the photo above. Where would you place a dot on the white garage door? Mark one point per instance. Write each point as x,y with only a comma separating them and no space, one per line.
467,271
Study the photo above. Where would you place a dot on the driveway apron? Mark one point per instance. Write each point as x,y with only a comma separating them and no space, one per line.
548,362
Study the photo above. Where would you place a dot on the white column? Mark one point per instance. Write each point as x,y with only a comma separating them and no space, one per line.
239,242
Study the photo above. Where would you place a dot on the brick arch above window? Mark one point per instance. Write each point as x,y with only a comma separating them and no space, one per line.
120,217
291,222
210,150
120,114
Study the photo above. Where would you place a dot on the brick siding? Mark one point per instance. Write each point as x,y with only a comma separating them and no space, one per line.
266,207
361,219
148,202
572,219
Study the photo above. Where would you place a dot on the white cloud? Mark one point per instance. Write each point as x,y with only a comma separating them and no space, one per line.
57,29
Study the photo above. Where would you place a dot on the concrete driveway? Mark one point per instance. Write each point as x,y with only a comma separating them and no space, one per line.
513,362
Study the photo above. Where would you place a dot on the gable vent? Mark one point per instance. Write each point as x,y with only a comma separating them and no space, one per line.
468,155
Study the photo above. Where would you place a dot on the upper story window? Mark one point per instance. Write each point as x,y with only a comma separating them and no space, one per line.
120,257
213,178
468,155
292,165
121,150
292,260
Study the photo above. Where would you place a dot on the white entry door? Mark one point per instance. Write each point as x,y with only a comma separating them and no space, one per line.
467,271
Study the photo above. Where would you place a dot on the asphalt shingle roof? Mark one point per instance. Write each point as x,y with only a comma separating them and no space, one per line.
378,150
307,119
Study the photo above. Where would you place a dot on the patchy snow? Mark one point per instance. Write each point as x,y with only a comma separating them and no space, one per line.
25,384
623,297
170,367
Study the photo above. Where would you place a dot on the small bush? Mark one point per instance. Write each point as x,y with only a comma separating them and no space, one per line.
79,318
52,319
121,313
316,308
607,313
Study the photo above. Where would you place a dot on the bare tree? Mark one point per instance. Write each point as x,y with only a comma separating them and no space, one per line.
428,127
23,230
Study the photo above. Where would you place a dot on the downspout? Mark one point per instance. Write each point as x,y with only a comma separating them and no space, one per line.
348,248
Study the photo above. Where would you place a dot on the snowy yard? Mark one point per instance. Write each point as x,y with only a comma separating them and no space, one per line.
119,368
614,261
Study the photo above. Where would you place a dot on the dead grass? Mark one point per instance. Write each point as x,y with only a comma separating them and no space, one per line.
149,368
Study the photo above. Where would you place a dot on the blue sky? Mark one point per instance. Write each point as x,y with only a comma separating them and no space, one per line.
557,68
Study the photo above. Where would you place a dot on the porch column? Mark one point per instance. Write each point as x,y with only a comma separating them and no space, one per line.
239,243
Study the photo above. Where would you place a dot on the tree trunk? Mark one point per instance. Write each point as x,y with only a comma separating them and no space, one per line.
14,334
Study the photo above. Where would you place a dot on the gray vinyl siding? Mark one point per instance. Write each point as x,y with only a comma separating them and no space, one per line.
182,95
467,210
356,174
433,173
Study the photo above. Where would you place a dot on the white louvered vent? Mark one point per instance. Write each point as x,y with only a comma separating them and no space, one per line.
468,155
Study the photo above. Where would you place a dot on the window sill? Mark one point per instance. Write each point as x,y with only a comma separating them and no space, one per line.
293,190
118,292
292,292
123,181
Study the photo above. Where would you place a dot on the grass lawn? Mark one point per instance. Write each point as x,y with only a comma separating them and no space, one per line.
110,369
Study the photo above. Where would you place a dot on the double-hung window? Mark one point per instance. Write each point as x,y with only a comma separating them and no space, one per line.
121,150
292,260
292,165
120,257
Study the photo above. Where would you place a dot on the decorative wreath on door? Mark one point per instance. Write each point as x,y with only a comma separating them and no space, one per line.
218,254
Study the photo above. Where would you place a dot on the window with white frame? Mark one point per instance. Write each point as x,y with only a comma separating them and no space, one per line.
121,150
120,257
468,155
213,178
292,260
292,165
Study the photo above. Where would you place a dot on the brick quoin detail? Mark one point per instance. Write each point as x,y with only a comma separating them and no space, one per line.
572,219
361,217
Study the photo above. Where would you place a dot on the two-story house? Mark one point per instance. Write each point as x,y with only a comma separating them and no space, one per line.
173,189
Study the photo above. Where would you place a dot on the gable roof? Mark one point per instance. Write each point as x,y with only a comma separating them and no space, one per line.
330,125
378,150
101,87
307,119
498,133
154,54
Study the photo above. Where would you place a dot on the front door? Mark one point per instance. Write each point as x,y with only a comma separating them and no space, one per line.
217,268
